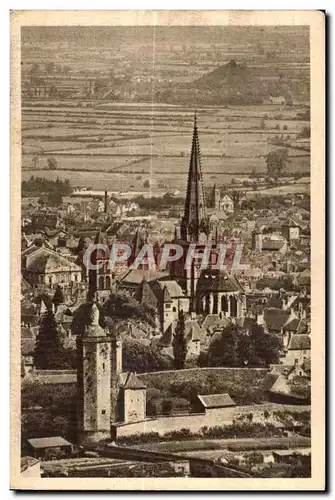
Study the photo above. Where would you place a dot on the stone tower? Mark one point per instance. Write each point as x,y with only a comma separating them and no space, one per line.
257,239
195,220
217,197
94,381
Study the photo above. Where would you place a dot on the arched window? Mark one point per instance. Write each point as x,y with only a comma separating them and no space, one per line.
108,282
224,303
208,301
233,306
215,304
101,283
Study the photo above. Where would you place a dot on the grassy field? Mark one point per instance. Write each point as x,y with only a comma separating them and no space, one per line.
152,140
246,444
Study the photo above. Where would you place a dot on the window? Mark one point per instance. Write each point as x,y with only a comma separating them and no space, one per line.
174,309
103,366
103,412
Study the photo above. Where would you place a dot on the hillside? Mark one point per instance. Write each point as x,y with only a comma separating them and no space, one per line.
236,83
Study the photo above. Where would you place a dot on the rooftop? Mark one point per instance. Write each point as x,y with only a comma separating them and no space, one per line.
48,442
216,401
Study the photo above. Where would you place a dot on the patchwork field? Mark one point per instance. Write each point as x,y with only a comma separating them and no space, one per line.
118,146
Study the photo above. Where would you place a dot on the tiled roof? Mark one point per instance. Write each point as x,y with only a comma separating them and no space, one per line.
275,318
216,400
274,301
50,377
272,245
27,462
51,262
173,288
27,346
214,320
214,280
193,332
299,342
292,325
48,442
136,276
270,380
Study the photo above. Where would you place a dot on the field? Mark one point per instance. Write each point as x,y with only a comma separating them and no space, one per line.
118,146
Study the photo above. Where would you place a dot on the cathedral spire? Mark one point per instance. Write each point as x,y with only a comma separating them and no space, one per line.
194,221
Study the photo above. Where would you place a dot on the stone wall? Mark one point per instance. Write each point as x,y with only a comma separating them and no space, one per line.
195,421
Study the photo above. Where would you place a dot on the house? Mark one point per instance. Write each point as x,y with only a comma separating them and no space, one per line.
298,349
220,407
278,390
279,100
47,267
49,447
132,398
288,371
132,279
166,297
282,456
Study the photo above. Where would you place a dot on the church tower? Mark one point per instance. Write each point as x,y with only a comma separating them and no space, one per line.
195,220
94,380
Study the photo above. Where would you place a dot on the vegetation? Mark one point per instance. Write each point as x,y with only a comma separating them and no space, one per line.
58,297
276,162
137,357
179,343
37,185
236,348
300,386
305,133
244,386
266,436
49,351
121,306
49,411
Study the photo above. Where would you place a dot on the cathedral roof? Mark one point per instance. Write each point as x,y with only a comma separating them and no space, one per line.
214,280
195,215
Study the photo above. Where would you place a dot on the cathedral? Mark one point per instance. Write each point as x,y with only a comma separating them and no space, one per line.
210,291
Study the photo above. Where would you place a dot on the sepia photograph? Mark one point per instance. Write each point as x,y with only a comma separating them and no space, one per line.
167,200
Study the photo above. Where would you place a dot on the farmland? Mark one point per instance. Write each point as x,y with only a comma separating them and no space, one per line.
118,145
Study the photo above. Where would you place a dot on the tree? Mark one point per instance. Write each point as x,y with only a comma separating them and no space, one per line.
245,350
58,297
179,343
167,406
50,67
267,346
300,387
140,358
222,351
49,352
52,163
276,162
121,306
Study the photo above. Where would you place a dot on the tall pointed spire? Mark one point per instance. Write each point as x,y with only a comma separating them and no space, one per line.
195,215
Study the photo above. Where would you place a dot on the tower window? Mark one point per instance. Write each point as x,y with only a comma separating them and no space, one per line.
103,366
103,412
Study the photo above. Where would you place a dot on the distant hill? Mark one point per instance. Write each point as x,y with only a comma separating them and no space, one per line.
235,83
